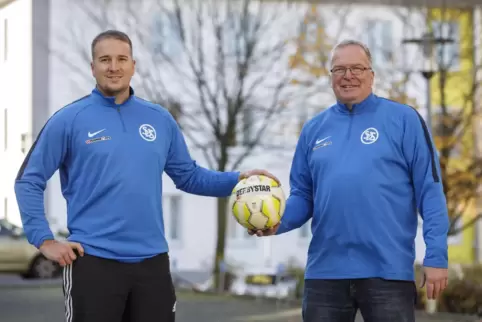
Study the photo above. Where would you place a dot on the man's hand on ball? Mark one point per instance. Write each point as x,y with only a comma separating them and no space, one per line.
255,172
266,232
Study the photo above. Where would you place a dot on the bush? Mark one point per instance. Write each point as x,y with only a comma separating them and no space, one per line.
473,273
463,295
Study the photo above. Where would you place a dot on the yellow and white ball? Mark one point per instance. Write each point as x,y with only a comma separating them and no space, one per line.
257,202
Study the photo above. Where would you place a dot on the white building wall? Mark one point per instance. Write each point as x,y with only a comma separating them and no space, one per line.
16,98
69,79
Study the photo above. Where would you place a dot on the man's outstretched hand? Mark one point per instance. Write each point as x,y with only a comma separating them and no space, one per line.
266,232
255,172
61,252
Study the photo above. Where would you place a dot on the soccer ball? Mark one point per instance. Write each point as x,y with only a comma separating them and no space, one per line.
257,202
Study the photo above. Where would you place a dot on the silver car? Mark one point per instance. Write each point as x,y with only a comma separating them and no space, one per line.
19,257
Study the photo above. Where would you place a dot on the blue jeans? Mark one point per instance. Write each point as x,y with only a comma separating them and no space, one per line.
379,300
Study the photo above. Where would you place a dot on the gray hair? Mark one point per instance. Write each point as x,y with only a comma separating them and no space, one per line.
352,42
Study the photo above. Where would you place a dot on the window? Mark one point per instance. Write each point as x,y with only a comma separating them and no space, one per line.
173,216
379,39
447,55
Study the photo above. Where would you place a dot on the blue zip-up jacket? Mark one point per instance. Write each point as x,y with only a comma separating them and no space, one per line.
361,175
111,159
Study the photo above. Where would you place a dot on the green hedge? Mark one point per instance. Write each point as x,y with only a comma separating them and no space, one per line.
464,295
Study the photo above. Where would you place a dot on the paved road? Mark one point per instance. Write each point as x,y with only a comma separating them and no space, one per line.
45,304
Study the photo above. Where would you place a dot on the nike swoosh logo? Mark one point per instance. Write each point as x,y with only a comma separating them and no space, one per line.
95,133
319,141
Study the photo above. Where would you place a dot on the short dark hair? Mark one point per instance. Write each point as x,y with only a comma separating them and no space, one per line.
111,34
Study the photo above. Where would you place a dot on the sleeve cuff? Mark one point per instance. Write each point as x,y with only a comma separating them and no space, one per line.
435,263
39,242
282,229
235,178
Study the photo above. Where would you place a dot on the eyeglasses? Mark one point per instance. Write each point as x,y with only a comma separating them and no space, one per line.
357,70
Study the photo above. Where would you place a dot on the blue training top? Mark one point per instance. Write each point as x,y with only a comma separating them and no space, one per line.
361,175
111,158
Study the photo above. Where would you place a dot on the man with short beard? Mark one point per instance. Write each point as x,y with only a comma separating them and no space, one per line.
111,149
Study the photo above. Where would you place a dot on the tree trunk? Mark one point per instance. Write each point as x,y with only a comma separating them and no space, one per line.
221,225
221,239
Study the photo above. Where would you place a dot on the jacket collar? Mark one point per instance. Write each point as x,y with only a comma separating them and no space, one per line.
358,108
110,100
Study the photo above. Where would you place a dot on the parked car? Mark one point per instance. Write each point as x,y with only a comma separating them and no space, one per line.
19,257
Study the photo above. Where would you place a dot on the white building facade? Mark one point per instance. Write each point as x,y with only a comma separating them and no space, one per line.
44,65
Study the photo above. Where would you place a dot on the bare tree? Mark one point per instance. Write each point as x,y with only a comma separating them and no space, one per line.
320,30
219,67
454,87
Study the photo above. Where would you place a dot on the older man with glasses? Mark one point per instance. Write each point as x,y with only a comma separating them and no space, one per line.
363,169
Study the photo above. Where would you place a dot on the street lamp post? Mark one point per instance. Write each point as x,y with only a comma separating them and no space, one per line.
427,43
